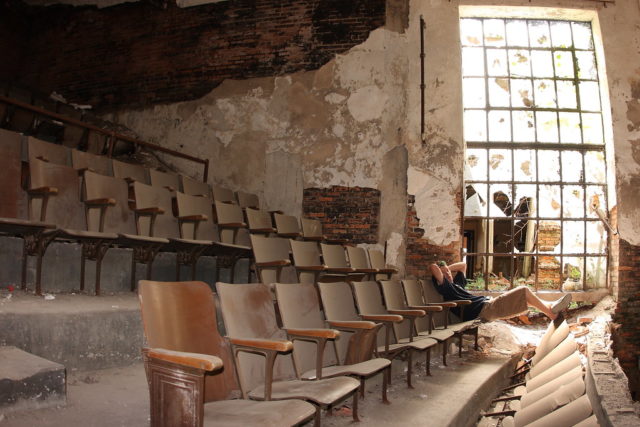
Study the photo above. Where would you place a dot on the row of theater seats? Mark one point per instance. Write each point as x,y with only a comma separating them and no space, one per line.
318,343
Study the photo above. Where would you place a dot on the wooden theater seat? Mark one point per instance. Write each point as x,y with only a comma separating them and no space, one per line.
165,180
47,151
223,194
377,261
257,342
312,230
271,255
259,221
287,226
129,172
193,187
248,200
82,160
189,366
231,225
359,259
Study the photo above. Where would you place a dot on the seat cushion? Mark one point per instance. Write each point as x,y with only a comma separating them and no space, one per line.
251,413
362,369
322,392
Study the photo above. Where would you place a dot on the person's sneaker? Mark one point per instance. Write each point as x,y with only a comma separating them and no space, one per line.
561,304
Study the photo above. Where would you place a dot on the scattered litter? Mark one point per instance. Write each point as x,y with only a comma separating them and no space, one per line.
8,297
49,297
11,287
115,306
1,418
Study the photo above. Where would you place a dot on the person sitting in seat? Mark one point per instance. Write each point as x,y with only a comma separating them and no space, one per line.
509,304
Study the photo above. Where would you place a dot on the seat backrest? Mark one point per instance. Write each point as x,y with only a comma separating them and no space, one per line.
194,187
118,218
129,171
358,257
64,209
305,253
52,153
149,196
269,249
394,300
248,312
334,256
12,199
258,219
82,160
337,300
432,296
413,293
299,308
248,200
223,194
287,224
196,205
165,180
311,228
376,258
181,316
228,213
369,301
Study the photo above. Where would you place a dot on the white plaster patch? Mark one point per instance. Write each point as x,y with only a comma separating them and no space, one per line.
394,243
367,103
334,98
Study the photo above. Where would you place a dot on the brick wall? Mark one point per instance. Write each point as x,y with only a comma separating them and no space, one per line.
137,54
351,213
421,253
626,336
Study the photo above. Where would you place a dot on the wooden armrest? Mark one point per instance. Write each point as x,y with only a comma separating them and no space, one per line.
367,270
149,211
383,317
461,302
426,308
312,267
277,263
277,345
409,313
353,324
194,360
290,235
100,202
447,304
232,224
42,191
317,333
313,238
263,230
193,218
342,269
170,188
276,212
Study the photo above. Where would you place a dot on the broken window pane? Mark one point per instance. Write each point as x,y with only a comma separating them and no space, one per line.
561,34
475,125
521,93
497,63
592,128
548,271
595,200
476,169
549,201
571,166
545,93
566,94
547,126
471,32
596,171
525,199
499,92
524,165
472,61
473,93
517,33
563,62
539,34
596,238
542,63
519,63
570,131
589,96
501,203
596,275
499,126
572,274
494,32
572,201
500,165
573,237
549,166
525,130
587,65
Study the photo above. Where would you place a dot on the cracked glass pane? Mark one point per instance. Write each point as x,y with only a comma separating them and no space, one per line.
570,131
549,201
472,61
571,166
473,93
525,130
499,92
501,203
500,165
550,165
521,93
524,165
572,201
476,165
517,33
519,63
499,126
547,126
561,34
525,198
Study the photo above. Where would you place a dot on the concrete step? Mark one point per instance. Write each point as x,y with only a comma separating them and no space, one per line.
29,382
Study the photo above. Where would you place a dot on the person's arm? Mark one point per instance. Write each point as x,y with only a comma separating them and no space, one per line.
458,266
435,272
